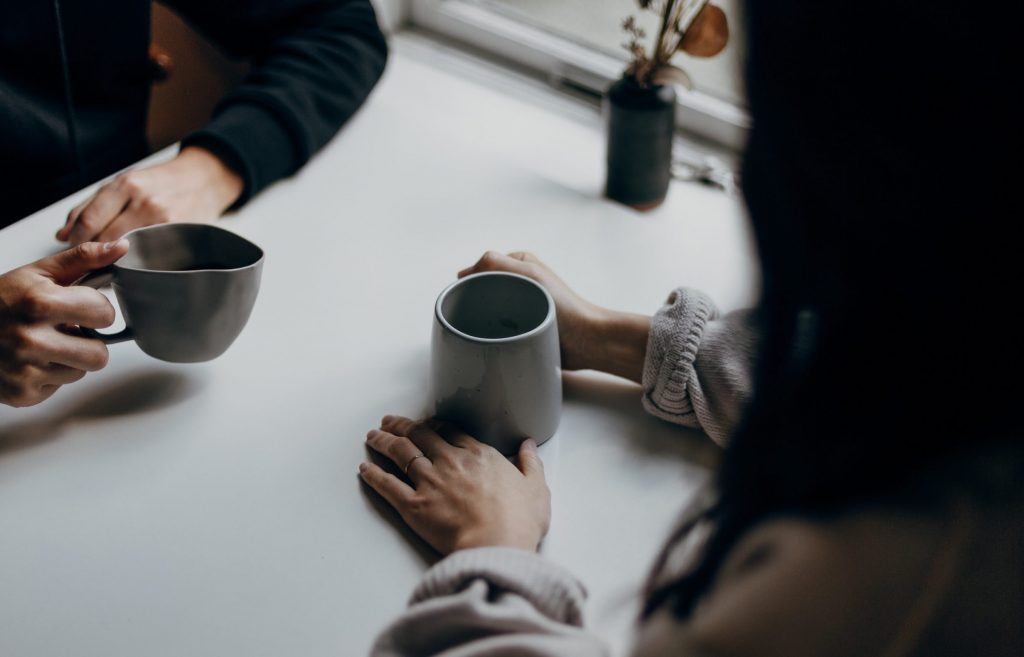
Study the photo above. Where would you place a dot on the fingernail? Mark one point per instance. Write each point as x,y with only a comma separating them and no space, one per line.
530,445
384,420
369,434
109,246
362,468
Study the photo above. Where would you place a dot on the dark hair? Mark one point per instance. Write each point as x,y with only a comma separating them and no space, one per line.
882,180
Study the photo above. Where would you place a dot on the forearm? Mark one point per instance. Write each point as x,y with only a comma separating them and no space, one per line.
617,344
214,177
314,63
696,369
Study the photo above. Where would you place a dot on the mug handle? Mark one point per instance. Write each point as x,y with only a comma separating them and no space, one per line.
97,279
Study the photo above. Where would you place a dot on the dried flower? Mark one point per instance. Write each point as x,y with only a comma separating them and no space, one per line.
630,27
693,26
707,35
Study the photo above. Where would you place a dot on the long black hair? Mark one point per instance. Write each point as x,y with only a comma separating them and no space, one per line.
883,181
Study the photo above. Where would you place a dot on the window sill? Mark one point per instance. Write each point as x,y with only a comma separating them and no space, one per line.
565,64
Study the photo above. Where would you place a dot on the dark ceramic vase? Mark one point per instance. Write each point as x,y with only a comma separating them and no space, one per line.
640,123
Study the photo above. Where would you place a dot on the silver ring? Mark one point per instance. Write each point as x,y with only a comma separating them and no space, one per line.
421,455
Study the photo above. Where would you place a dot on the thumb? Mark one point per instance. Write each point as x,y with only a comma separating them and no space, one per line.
529,461
67,266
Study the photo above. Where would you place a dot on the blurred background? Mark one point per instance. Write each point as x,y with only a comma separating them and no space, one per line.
568,42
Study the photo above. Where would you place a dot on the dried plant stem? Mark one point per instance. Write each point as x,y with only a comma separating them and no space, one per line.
677,16
683,23
670,7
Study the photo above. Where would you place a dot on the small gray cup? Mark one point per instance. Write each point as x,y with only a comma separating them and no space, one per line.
185,290
495,362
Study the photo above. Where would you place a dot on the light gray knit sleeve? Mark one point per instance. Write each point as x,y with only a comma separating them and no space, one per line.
699,365
492,601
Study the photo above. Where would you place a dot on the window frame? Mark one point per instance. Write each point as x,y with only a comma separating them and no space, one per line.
563,61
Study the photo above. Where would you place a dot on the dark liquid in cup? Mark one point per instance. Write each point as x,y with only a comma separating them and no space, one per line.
495,307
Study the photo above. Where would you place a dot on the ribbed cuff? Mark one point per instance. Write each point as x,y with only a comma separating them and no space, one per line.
672,347
253,142
552,590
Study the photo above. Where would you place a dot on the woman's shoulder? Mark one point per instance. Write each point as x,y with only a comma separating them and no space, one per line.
876,579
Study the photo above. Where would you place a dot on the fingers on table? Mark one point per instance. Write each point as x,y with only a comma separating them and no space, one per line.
529,460
413,447
124,222
72,218
454,435
405,454
397,493
140,212
99,212
420,433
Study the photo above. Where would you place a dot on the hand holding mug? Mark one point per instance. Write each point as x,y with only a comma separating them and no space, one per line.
458,492
40,312
576,315
591,337
186,290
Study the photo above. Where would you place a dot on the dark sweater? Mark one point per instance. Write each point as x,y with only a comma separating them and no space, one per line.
314,62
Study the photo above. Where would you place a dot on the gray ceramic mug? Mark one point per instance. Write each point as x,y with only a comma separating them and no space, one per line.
495,362
185,290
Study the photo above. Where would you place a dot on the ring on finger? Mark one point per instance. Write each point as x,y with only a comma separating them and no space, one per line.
409,463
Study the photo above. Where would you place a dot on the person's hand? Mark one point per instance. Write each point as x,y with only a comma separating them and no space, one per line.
39,350
195,186
591,337
577,317
460,493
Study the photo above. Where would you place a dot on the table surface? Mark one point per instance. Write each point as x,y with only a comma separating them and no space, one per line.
214,509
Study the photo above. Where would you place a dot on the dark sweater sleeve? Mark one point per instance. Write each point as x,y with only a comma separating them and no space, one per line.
314,62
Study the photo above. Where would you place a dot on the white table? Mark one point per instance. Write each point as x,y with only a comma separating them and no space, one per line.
214,509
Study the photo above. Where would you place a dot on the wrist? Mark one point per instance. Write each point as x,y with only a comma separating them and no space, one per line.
481,539
224,183
580,336
619,343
